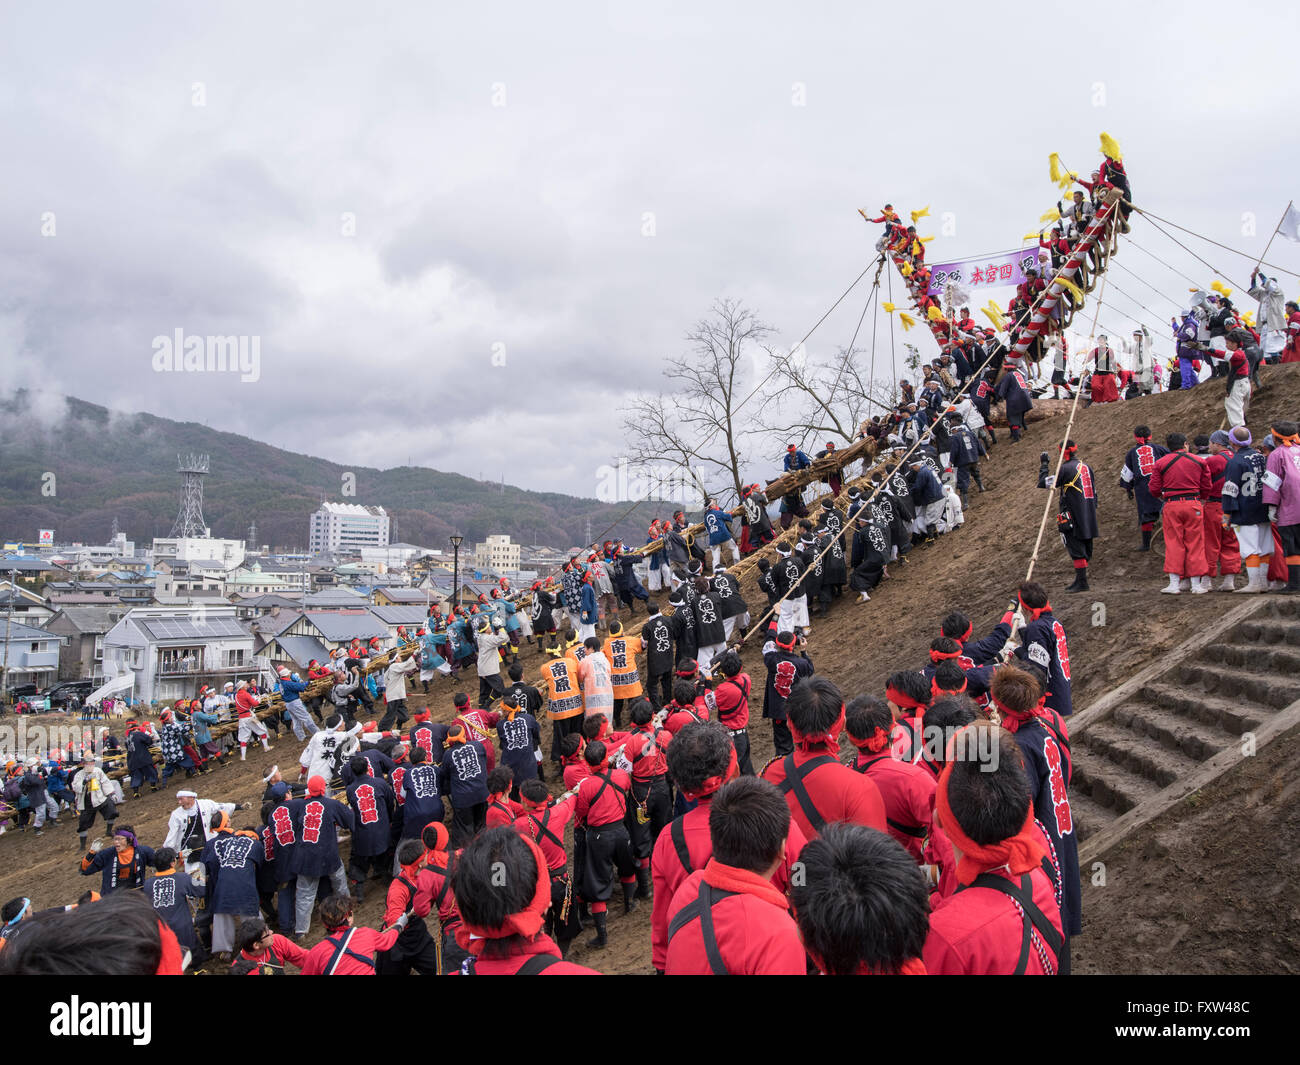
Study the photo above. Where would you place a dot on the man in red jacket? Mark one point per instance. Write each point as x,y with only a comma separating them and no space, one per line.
347,950
1183,482
818,789
687,707
862,906
727,918
504,914
600,809
543,821
700,760
730,700
906,788
246,710
1222,552
1005,918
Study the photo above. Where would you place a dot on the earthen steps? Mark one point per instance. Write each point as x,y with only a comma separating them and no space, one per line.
1282,658
1110,785
1134,752
1088,814
1232,715
1272,630
1256,685
1174,731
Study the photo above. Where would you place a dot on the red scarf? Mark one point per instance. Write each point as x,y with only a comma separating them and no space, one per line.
528,921
1020,853
875,743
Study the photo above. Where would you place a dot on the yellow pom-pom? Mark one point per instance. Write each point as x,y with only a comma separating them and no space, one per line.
1054,166
1065,182
916,248
1221,289
920,214
1248,319
1070,286
888,308
934,314
1110,147
907,320
994,317
1050,216
906,270
926,240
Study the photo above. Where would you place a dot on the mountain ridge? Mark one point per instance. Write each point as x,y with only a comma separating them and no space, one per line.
77,470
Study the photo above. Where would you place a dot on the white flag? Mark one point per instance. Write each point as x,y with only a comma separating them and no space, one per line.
1290,227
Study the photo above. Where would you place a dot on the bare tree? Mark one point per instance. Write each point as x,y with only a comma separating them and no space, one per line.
825,397
698,423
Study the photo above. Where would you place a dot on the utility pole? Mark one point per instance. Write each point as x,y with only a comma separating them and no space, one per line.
9,616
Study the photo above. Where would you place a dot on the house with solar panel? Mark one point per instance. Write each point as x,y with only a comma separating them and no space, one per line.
175,650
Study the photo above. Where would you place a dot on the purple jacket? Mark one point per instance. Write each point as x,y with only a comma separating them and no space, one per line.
1282,484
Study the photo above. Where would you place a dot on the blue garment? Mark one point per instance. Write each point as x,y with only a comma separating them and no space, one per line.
231,860
316,821
167,894
1243,490
462,776
373,802
423,799
201,720
1043,643
590,611
716,521
926,489
796,460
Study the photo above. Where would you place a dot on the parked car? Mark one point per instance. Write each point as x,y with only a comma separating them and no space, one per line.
22,691
60,693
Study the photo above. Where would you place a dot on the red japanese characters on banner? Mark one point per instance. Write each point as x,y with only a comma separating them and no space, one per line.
1005,270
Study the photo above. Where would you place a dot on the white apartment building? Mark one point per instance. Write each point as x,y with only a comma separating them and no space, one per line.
498,553
347,527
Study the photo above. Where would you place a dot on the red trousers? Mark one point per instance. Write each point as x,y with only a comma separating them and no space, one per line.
1277,570
1222,553
1184,521
1103,388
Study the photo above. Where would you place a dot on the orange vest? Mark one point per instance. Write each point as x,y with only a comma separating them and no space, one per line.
563,693
621,652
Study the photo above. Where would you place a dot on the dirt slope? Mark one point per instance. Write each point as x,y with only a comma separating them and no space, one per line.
1121,626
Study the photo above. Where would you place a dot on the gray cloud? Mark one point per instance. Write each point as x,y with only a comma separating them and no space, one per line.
522,225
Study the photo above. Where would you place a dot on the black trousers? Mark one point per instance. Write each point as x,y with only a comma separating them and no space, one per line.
490,688
864,578
467,822
782,741
740,739
562,728
607,847
416,951
87,818
653,795
1078,549
395,714
660,689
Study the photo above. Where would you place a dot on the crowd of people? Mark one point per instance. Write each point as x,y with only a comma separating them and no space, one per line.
902,851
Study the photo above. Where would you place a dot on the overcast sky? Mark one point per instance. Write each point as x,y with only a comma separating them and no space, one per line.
198,169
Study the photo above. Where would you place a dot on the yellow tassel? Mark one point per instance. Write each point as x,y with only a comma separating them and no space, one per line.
916,247
906,270
1248,319
926,240
907,320
1054,166
1032,236
1065,182
920,214
1110,147
1071,287
993,317
888,308
1221,289
1050,216
934,314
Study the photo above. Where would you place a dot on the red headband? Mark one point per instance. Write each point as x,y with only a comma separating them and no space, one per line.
941,656
970,627
829,738
786,646
711,784
875,743
528,921
1035,612
1020,853
898,698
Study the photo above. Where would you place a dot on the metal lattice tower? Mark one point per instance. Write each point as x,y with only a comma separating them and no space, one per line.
189,520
